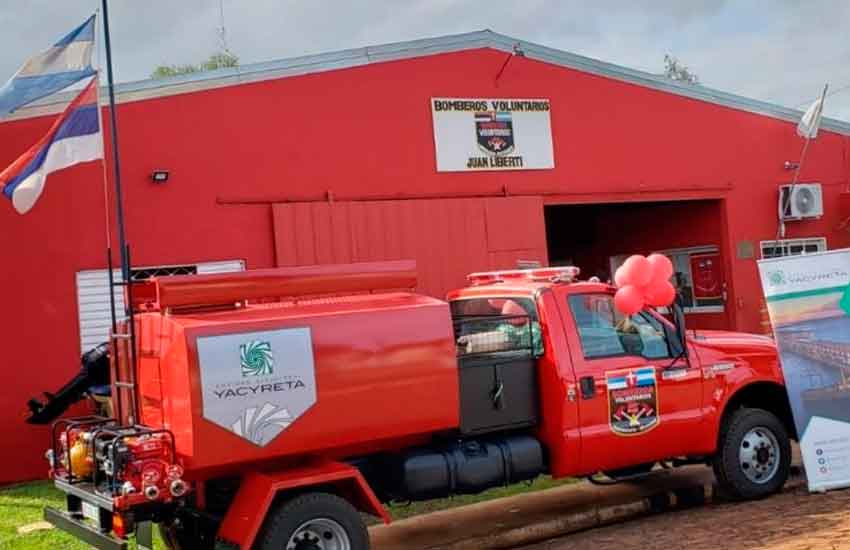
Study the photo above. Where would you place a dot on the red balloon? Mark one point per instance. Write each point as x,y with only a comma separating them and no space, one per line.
619,277
629,300
637,271
660,293
662,267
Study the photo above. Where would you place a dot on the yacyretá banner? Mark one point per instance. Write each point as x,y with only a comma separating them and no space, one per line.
808,298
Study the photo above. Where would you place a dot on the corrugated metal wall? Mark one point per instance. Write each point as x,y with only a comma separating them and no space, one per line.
93,299
448,238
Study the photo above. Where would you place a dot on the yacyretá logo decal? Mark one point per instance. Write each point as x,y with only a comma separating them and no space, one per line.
257,384
776,278
632,400
256,358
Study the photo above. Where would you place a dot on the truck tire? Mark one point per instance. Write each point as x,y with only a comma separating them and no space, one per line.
314,521
753,456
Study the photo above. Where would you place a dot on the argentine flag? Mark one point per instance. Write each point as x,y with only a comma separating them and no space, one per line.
72,139
67,62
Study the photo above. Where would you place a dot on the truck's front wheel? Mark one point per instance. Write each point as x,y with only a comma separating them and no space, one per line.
314,521
754,454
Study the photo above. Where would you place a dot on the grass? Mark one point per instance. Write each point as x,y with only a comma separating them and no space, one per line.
22,505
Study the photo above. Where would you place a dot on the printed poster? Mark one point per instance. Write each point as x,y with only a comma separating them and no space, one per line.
808,298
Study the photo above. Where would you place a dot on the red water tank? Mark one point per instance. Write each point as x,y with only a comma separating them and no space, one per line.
336,376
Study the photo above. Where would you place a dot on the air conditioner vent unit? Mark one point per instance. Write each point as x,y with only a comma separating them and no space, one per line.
800,202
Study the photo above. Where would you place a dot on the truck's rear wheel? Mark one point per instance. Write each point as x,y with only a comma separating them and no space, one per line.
754,454
314,521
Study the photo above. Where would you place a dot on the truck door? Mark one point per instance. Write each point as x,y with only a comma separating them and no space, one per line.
636,403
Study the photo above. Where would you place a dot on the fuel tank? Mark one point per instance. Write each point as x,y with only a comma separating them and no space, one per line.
336,376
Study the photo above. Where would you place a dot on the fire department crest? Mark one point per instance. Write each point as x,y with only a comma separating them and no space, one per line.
632,400
495,132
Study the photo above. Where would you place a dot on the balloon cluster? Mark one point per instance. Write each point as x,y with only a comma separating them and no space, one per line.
644,281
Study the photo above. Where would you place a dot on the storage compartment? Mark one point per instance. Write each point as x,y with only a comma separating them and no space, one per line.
469,467
497,392
497,372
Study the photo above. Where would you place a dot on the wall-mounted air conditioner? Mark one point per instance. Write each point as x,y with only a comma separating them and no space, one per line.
801,201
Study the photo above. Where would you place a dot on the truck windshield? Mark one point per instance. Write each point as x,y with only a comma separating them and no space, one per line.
513,318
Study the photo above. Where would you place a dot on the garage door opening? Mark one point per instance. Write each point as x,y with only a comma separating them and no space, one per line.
599,237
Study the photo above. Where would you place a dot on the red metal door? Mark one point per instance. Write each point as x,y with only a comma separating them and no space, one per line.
636,404
448,238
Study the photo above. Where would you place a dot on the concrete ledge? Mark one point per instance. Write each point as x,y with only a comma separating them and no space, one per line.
534,517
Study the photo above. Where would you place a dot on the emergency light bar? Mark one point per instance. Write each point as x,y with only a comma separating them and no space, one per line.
566,274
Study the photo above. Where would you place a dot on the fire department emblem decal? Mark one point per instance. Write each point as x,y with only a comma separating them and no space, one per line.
632,400
495,132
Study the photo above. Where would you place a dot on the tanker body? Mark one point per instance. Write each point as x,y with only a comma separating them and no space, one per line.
343,376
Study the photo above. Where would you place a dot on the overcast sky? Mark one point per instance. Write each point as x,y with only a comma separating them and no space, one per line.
781,51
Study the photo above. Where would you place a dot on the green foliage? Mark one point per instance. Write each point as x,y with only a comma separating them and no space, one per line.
676,70
216,61
220,61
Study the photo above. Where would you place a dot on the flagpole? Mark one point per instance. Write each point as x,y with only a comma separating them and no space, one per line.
122,239
107,222
780,230
119,197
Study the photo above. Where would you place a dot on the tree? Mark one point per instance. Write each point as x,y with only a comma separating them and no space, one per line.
676,70
216,61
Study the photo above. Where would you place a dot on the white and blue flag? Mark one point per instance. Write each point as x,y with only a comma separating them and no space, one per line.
67,62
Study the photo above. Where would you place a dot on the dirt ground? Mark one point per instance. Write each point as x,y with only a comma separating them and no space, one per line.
796,520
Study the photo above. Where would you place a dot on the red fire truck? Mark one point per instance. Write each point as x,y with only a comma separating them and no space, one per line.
268,409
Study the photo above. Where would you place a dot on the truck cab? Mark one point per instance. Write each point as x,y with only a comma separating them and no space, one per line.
620,393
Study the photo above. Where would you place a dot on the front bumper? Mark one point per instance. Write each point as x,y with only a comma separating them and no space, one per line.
78,527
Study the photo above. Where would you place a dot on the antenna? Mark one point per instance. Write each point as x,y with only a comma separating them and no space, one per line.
222,30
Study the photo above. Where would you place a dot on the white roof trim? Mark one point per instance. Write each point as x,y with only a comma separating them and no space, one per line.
310,64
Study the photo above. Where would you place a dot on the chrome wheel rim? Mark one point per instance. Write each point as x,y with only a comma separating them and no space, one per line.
319,534
758,455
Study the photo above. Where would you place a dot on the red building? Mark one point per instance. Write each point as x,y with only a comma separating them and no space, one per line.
334,158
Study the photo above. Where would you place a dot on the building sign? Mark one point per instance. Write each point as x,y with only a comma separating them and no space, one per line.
806,299
256,384
474,134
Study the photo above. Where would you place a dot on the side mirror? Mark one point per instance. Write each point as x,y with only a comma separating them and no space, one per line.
676,335
680,338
